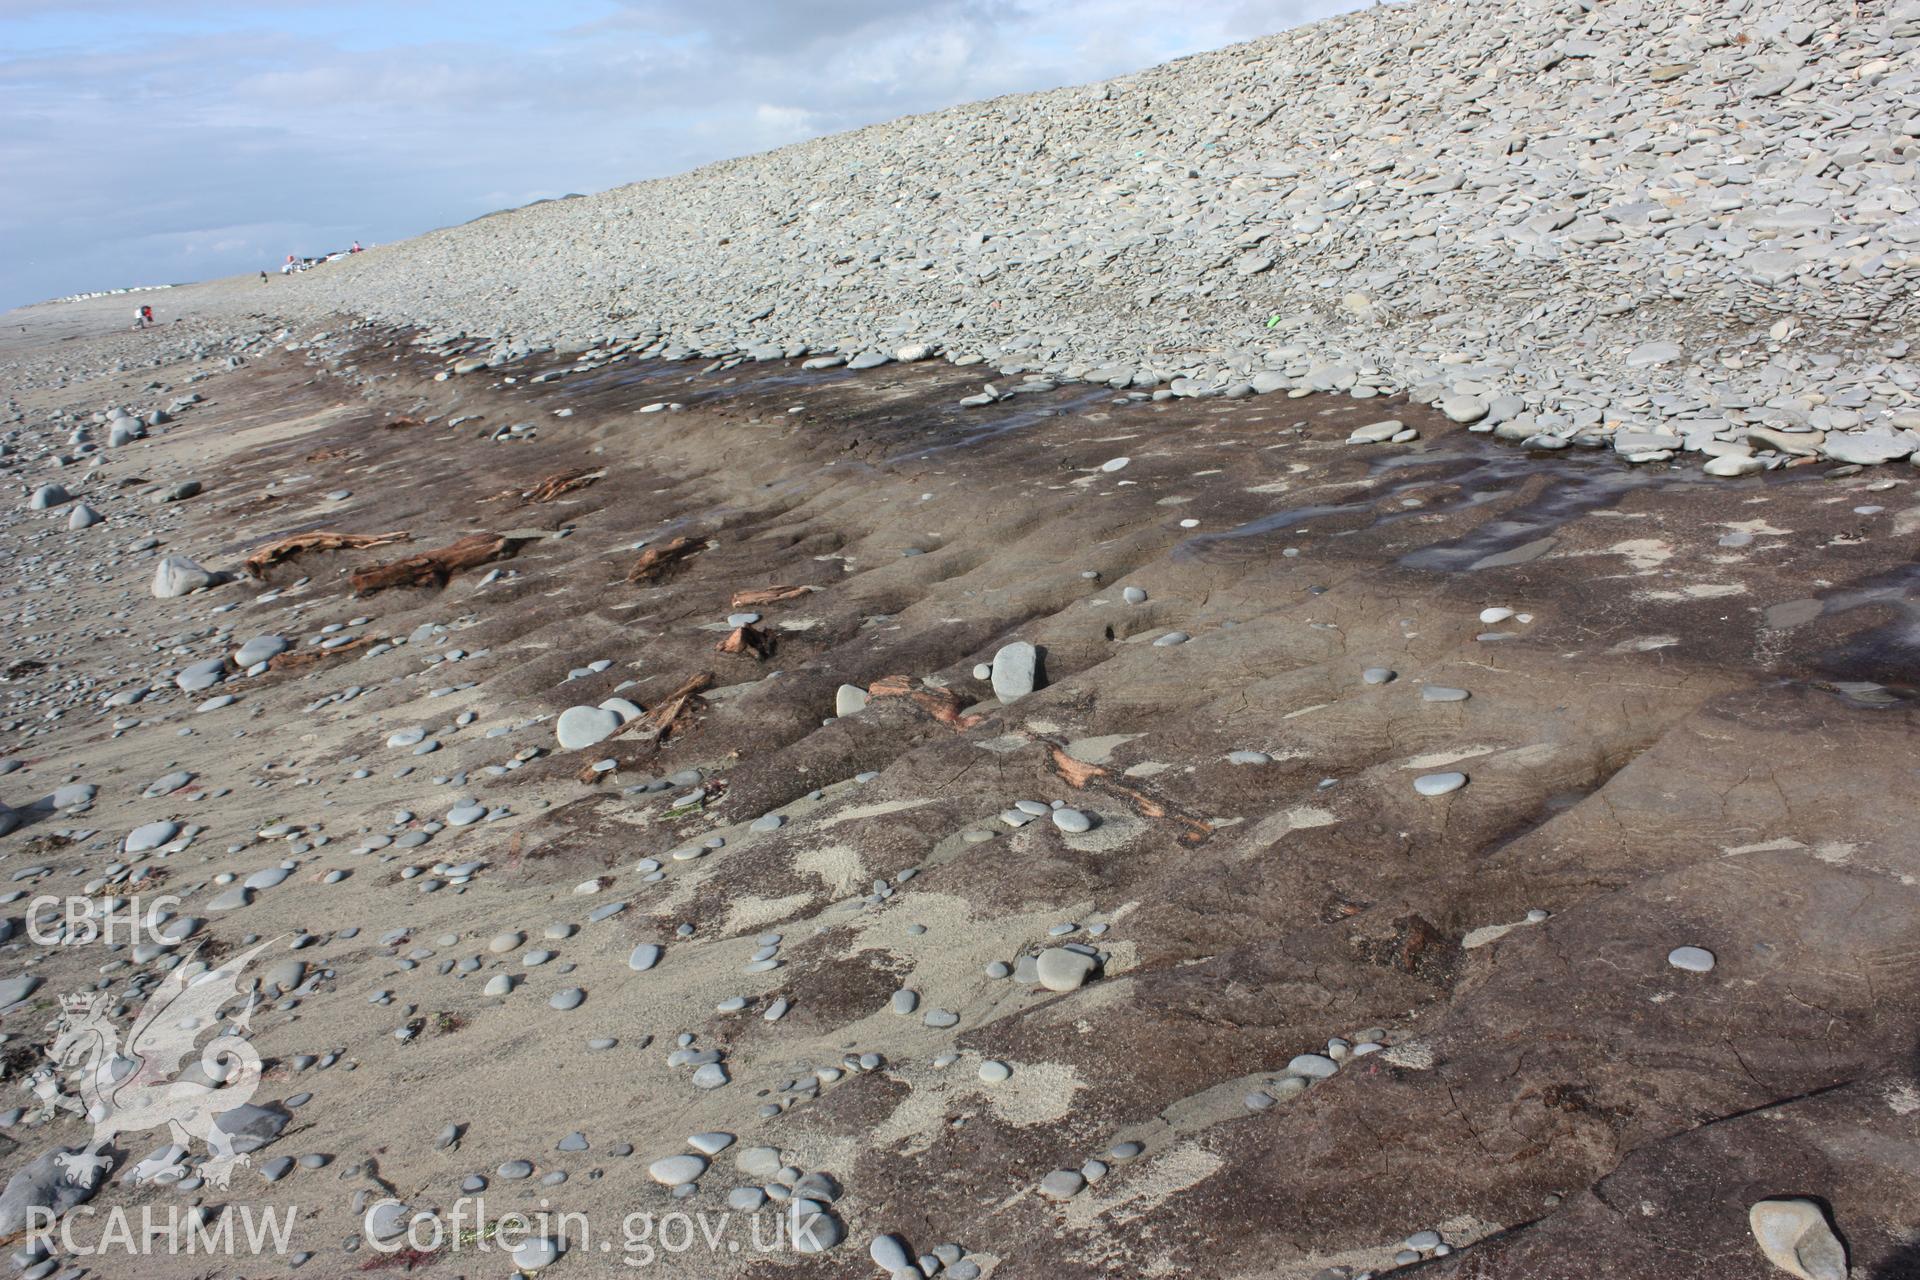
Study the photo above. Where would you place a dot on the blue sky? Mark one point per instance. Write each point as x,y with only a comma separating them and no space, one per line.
145,143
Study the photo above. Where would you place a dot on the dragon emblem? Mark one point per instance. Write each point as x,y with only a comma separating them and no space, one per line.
144,1085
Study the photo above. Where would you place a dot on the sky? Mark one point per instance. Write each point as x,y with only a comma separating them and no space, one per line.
163,141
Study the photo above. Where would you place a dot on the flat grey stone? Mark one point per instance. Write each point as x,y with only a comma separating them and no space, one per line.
149,836
1014,667
1312,1066
672,1171
43,1183
1796,1237
202,675
1072,821
13,990
178,576
536,1252
257,650
1691,959
1063,1184
1063,969
581,727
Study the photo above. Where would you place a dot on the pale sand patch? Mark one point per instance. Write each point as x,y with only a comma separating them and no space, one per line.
1146,769
280,432
1109,990
635,817
1645,644
1305,816
1755,527
1643,553
1113,831
1099,750
838,866
1415,1055
1037,1093
1459,1231
1527,757
1131,1191
1487,933
752,913
1441,758
946,966
858,812
1279,755
1300,817
1700,591
1776,845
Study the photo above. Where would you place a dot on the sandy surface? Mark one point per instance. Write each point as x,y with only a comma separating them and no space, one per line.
1683,738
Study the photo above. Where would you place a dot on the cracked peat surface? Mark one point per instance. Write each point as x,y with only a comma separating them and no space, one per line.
1698,729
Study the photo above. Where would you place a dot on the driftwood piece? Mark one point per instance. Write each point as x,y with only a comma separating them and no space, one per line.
749,640
433,568
305,658
765,595
1076,773
561,482
299,544
656,562
1079,774
547,488
942,704
674,713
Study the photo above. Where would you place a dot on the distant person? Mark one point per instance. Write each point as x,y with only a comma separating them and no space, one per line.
146,316
263,275
139,317
356,247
